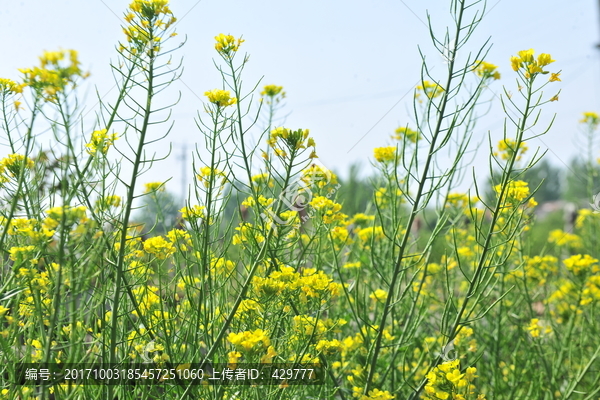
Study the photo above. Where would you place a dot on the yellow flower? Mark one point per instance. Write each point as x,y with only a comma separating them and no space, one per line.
544,59
367,234
100,142
532,67
207,175
249,340
591,118
54,74
246,233
329,209
159,247
377,394
507,148
108,201
405,132
9,86
516,192
227,44
193,213
526,55
13,164
379,295
294,140
581,263
562,238
154,187
222,98
535,328
263,179
354,265
554,77
385,154
272,91
487,70
431,89
515,63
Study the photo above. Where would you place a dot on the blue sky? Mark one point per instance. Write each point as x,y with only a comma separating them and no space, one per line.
346,66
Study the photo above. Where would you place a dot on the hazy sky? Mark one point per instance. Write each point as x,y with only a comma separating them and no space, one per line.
348,67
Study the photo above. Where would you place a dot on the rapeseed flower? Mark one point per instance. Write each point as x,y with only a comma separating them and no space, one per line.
14,162
222,98
405,132
507,148
227,45
8,86
377,394
100,141
318,175
249,340
385,154
591,118
579,264
487,70
515,194
535,328
108,201
566,239
55,73
379,295
328,209
152,187
208,174
159,247
272,91
192,213
430,89
247,233
525,60
294,140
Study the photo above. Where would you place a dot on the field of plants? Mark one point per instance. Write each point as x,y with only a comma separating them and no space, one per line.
426,293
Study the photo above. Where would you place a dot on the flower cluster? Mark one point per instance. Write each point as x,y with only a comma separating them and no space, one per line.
516,193
405,133
531,66
591,118
249,341
293,140
152,187
100,142
446,381
208,177
308,284
487,70
535,328
227,45
508,147
328,209
222,98
272,91
385,154
192,213
9,86
58,70
430,89
564,239
582,264
148,21
316,175
13,164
